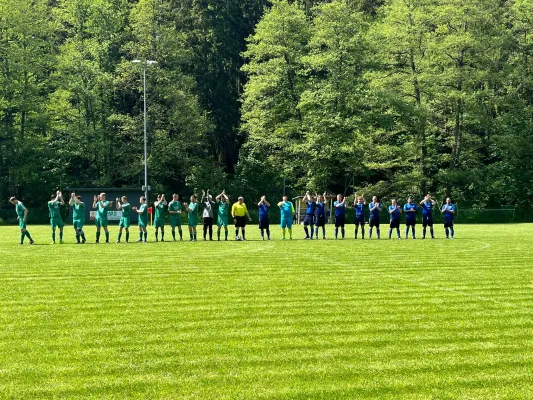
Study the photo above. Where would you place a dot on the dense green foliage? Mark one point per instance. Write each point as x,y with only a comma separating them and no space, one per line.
268,320
391,97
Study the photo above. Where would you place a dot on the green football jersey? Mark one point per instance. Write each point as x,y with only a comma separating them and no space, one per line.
101,207
126,210
53,208
175,206
19,208
193,214
79,212
223,209
143,216
160,210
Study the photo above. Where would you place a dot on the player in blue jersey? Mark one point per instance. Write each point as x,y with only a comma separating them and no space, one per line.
375,208
410,217
448,210
359,205
320,215
309,219
264,222
394,211
340,214
287,210
427,215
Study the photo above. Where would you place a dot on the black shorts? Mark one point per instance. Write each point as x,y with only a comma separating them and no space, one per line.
373,222
264,223
240,222
394,223
339,222
360,220
208,220
410,223
320,220
427,220
309,220
448,224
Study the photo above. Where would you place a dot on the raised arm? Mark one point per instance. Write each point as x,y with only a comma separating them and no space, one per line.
119,206
95,201
72,199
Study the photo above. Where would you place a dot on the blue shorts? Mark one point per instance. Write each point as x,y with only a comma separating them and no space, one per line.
320,220
427,220
448,224
286,223
340,221
374,222
394,223
309,220
360,220
264,223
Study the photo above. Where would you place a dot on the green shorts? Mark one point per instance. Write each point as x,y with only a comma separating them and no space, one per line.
175,221
56,223
142,224
222,221
124,222
102,223
22,224
192,222
159,223
78,223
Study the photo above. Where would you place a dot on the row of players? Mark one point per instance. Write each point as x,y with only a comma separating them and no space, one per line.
315,217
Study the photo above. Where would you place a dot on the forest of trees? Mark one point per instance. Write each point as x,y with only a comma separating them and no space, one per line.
390,97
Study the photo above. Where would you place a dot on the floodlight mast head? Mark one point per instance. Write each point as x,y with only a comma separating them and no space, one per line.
147,62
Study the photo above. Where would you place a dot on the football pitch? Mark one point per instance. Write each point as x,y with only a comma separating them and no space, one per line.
437,319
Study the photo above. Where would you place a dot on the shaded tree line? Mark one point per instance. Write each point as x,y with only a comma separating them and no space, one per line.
393,97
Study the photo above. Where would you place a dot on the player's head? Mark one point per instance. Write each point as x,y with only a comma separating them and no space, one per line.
193,198
124,199
158,197
142,200
319,197
102,196
339,197
78,197
13,200
448,200
285,198
428,196
393,201
359,199
209,197
241,200
175,197
409,200
312,197
375,199
53,196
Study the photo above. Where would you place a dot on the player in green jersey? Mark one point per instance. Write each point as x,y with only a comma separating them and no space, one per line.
125,207
55,215
22,216
159,220
143,219
102,206
174,209
78,216
223,210
192,209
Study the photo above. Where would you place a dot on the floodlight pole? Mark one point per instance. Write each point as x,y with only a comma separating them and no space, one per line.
145,64
145,140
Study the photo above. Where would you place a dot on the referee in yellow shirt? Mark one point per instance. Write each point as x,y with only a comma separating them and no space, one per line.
239,212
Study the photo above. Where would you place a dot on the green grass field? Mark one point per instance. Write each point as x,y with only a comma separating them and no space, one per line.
269,320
